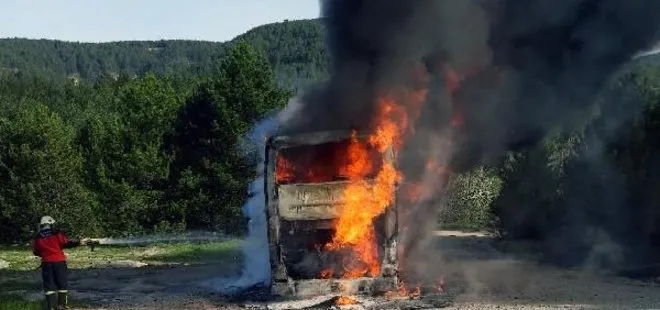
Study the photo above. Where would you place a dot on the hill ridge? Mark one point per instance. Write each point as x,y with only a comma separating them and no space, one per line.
295,49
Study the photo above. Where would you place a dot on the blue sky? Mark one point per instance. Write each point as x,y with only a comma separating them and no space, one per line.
113,20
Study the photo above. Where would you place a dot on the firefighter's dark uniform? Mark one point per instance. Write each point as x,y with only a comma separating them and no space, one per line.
49,245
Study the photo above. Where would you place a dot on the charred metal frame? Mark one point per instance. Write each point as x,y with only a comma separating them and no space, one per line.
321,211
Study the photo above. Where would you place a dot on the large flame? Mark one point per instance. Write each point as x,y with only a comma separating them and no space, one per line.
372,184
365,199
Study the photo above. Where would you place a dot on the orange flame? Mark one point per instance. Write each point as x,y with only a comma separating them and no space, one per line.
359,161
284,169
371,189
369,194
364,200
344,301
403,292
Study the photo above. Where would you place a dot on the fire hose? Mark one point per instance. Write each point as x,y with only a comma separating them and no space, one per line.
91,243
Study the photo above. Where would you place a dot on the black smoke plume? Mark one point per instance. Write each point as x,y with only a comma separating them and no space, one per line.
526,67
537,62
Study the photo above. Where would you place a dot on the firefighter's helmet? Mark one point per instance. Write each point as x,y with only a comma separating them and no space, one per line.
47,220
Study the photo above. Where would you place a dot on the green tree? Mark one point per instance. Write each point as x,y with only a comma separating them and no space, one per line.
211,171
199,177
124,152
41,173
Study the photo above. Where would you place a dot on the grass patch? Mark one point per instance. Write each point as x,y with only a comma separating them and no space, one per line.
17,302
21,276
204,252
21,258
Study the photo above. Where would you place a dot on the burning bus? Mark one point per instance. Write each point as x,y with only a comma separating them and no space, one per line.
332,217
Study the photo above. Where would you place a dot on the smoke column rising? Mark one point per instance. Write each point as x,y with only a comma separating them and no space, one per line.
522,68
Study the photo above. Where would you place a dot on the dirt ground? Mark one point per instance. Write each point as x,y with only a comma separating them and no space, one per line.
480,278
493,280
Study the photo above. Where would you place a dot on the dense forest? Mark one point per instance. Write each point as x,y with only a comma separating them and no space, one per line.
295,49
141,137
132,155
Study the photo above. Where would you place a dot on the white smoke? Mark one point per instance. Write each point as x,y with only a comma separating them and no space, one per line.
256,264
292,110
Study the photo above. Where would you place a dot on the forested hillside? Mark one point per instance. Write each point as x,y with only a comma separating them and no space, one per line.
132,155
295,49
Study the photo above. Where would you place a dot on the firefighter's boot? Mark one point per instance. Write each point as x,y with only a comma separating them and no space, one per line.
62,300
51,301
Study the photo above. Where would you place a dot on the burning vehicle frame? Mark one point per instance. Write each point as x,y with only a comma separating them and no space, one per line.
302,211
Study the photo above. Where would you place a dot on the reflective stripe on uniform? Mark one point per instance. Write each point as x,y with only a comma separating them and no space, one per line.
62,291
50,292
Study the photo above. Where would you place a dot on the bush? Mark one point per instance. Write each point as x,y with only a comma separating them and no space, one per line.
469,198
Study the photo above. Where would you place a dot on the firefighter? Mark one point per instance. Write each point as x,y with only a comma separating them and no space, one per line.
49,244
